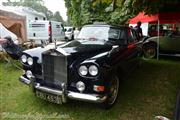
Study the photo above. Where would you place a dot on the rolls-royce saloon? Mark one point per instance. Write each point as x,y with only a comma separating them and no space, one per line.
87,69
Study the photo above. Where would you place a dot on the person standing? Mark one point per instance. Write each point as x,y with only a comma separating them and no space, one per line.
76,32
139,29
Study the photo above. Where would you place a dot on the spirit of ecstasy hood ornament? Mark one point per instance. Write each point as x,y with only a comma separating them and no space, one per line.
55,44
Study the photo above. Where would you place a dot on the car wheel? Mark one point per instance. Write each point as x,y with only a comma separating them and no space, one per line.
149,51
113,91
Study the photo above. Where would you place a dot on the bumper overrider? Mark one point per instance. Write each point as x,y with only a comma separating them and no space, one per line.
95,98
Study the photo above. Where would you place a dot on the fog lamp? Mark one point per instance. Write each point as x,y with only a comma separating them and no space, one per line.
80,86
29,74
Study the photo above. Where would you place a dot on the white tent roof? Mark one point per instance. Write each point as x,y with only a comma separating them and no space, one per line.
5,32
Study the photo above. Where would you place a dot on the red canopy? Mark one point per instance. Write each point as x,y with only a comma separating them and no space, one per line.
164,18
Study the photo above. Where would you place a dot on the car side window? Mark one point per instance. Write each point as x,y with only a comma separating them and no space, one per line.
70,29
118,35
114,33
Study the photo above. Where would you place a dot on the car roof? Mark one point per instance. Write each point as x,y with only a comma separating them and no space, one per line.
106,25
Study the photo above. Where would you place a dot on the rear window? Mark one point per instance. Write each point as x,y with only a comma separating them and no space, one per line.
69,30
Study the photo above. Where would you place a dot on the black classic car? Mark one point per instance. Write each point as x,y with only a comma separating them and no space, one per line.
87,69
168,41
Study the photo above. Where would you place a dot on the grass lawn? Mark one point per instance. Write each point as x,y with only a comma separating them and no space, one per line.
149,91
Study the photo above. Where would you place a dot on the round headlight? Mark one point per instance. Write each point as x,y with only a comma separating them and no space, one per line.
93,70
83,70
23,58
29,74
30,61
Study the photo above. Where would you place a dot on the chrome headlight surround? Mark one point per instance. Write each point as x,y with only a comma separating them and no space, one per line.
93,70
83,70
24,58
30,61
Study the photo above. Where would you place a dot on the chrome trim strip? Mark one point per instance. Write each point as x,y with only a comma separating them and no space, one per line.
175,55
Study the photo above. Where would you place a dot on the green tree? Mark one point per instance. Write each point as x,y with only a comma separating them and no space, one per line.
81,12
57,17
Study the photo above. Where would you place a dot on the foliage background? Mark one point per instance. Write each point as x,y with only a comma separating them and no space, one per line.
81,12
117,12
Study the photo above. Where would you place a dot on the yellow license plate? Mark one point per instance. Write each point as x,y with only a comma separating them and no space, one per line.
49,97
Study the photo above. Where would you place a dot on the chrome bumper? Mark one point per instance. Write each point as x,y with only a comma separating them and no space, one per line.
95,98
24,80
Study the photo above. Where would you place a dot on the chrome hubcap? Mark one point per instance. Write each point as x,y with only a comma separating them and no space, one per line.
113,91
150,53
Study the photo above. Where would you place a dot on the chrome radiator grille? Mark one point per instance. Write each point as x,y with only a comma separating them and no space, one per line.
54,69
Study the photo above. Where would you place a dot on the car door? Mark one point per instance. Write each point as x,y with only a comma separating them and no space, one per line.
170,44
133,48
128,52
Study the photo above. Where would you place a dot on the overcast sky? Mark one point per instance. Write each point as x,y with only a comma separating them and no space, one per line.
56,5
53,5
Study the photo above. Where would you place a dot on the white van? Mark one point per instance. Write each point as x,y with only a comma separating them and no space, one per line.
69,33
48,31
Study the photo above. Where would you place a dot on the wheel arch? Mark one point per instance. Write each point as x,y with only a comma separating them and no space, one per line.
149,43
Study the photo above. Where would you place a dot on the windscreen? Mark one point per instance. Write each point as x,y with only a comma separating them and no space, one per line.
100,33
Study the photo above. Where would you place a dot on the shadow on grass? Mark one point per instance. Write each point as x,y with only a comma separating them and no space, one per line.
147,92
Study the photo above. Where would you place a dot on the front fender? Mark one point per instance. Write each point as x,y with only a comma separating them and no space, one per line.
37,52
150,41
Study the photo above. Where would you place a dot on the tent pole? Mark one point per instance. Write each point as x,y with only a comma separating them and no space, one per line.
158,40
0,31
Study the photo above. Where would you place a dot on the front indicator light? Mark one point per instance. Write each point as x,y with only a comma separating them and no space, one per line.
98,88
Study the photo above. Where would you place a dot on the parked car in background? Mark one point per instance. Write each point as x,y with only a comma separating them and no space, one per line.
69,33
4,32
169,45
87,69
12,49
47,31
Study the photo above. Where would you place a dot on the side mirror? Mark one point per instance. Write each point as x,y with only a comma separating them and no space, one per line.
65,30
